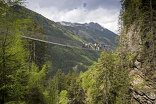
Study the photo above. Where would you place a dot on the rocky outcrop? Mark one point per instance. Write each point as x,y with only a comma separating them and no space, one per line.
134,40
130,40
142,98
143,87
142,91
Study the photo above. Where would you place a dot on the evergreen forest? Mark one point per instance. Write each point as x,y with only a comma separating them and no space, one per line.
125,76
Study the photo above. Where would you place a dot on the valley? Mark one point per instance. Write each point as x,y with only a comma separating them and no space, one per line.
77,61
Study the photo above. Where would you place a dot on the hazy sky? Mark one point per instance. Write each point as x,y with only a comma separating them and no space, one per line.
104,12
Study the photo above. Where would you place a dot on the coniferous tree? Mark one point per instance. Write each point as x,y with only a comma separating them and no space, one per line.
12,55
108,82
35,84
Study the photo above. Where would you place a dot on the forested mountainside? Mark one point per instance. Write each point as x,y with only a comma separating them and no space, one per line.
124,77
92,32
53,31
59,57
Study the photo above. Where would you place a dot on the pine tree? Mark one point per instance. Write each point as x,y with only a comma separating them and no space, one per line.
35,84
109,82
13,56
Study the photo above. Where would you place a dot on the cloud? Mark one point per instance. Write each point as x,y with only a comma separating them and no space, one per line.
80,11
72,4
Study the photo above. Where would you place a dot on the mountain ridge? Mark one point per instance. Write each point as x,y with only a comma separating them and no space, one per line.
91,32
64,58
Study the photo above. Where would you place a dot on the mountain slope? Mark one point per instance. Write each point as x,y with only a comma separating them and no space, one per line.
92,32
54,32
64,58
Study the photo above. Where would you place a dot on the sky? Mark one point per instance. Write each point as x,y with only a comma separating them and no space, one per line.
104,12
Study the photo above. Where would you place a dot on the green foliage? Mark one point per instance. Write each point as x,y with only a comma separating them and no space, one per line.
54,87
18,82
64,89
23,75
63,97
107,81
12,61
35,85
68,59
36,77
76,93
37,50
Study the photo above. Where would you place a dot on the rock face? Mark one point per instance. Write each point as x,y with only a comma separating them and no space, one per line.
134,40
142,91
131,41
144,95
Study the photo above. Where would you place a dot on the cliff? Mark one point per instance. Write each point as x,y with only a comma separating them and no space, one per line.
138,37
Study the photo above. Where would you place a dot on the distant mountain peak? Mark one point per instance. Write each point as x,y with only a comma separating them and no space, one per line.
92,25
96,26
91,32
